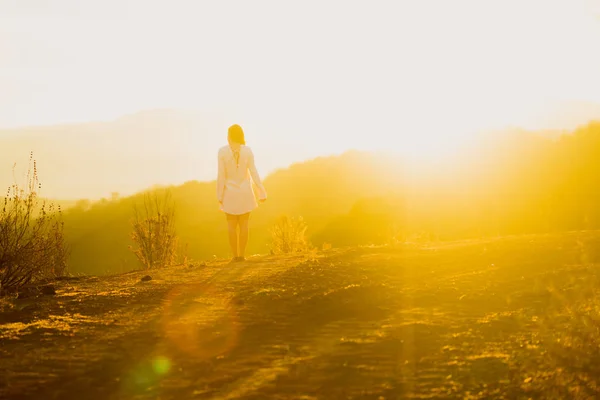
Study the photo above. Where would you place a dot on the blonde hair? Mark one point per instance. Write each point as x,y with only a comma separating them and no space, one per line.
236,134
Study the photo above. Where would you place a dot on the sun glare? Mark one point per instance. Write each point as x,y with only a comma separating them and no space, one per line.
424,78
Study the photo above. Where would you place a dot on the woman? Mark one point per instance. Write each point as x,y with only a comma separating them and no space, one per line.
234,188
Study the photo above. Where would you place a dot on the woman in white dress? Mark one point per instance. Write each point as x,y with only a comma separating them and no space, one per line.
234,188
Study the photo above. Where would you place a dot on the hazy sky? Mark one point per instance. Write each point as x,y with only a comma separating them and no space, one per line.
366,74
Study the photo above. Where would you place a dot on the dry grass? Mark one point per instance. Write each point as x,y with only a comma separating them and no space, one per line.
32,245
288,235
154,231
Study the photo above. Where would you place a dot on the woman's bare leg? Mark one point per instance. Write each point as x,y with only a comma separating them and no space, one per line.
232,223
243,221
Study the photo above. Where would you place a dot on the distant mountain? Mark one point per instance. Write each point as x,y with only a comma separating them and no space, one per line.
163,146
92,160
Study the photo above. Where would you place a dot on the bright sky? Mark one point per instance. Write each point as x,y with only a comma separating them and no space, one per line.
420,75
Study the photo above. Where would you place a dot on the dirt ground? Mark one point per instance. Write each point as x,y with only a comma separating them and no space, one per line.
514,317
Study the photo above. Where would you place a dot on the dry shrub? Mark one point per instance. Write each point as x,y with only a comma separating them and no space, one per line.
288,235
32,245
154,231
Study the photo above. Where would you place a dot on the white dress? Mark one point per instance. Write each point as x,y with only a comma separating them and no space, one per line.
234,181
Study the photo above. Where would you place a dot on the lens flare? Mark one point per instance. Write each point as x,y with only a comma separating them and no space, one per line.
145,377
161,365
200,321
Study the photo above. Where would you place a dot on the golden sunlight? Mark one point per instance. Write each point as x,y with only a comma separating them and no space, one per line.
268,199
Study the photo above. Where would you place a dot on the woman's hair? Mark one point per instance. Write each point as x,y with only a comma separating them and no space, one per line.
236,134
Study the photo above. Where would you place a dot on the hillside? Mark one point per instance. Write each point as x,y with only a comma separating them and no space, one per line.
512,317
515,183
317,190
519,183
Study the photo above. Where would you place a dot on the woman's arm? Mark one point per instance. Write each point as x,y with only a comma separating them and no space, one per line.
220,179
262,193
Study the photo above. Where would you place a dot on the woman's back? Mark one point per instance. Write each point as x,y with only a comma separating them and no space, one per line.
234,183
236,163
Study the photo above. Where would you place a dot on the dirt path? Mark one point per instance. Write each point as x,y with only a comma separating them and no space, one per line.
510,318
